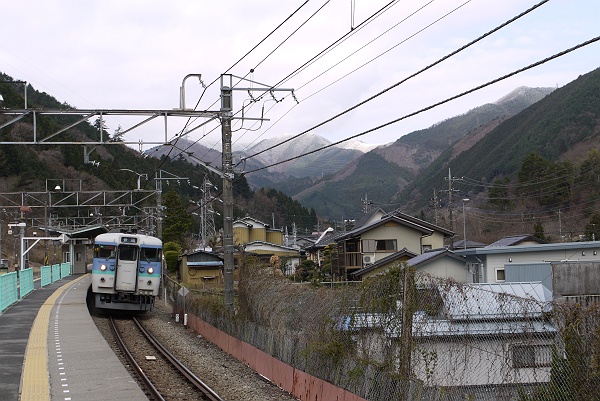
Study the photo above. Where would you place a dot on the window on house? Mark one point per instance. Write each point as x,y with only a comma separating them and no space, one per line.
531,356
385,245
379,245
500,275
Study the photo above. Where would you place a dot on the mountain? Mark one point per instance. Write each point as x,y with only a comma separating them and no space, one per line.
562,127
401,163
288,177
312,166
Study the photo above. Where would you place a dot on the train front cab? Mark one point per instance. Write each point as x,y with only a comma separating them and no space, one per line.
125,276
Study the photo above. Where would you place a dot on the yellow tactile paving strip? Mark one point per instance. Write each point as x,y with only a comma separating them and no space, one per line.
34,380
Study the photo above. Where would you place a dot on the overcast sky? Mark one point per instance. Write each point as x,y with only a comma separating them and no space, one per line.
134,55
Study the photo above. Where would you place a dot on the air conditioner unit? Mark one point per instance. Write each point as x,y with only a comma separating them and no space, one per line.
368,259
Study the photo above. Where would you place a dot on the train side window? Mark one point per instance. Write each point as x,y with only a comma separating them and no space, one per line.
127,252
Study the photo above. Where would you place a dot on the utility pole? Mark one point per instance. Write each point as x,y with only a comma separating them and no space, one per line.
435,205
366,203
226,116
228,260
450,190
159,213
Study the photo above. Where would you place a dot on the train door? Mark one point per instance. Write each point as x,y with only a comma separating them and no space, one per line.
127,265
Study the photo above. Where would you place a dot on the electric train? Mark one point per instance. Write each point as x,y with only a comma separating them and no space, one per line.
126,271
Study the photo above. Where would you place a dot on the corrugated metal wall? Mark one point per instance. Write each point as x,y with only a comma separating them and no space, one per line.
528,272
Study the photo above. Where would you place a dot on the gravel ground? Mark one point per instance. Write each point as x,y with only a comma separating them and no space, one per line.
231,379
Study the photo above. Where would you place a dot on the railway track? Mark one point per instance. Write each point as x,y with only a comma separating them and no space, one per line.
163,375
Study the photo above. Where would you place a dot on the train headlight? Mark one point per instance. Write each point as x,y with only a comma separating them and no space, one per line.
103,267
141,269
150,270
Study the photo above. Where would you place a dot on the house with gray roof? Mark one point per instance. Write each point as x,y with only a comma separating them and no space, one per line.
517,240
475,339
442,263
528,260
380,238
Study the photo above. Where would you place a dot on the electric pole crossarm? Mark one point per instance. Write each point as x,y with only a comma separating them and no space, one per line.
113,112
152,117
80,198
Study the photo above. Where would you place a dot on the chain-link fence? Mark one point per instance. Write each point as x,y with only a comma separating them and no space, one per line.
406,336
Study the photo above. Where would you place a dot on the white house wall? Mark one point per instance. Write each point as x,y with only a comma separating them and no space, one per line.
435,240
495,261
472,362
447,268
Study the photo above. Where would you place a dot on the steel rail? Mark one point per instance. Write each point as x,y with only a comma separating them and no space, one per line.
150,387
209,393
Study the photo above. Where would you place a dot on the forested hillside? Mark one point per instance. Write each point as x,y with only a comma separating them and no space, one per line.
403,162
27,167
535,172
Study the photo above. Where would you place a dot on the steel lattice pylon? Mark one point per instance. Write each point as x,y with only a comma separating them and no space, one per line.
208,213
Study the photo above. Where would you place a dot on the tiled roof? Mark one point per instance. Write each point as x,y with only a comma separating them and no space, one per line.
383,261
424,223
366,217
384,220
432,255
515,240
327,239
470,244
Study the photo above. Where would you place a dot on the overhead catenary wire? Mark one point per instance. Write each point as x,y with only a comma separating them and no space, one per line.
401,82
562,53
229,69
337,42
381,54
240,79
331,47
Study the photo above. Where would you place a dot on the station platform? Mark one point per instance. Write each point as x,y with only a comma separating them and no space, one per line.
50,349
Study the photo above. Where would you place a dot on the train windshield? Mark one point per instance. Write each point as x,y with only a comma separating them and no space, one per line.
104,251
150,254
128,252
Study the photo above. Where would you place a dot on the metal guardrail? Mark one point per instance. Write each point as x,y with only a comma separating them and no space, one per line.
25,282
8,290
15,285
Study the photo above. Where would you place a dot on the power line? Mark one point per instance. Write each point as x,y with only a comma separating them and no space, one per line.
331,47
337,42
289,36
216,79
421,110
404,80
383,53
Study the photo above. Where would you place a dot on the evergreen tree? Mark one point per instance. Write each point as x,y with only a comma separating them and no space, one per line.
592,228
498,194
177,222
538,231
